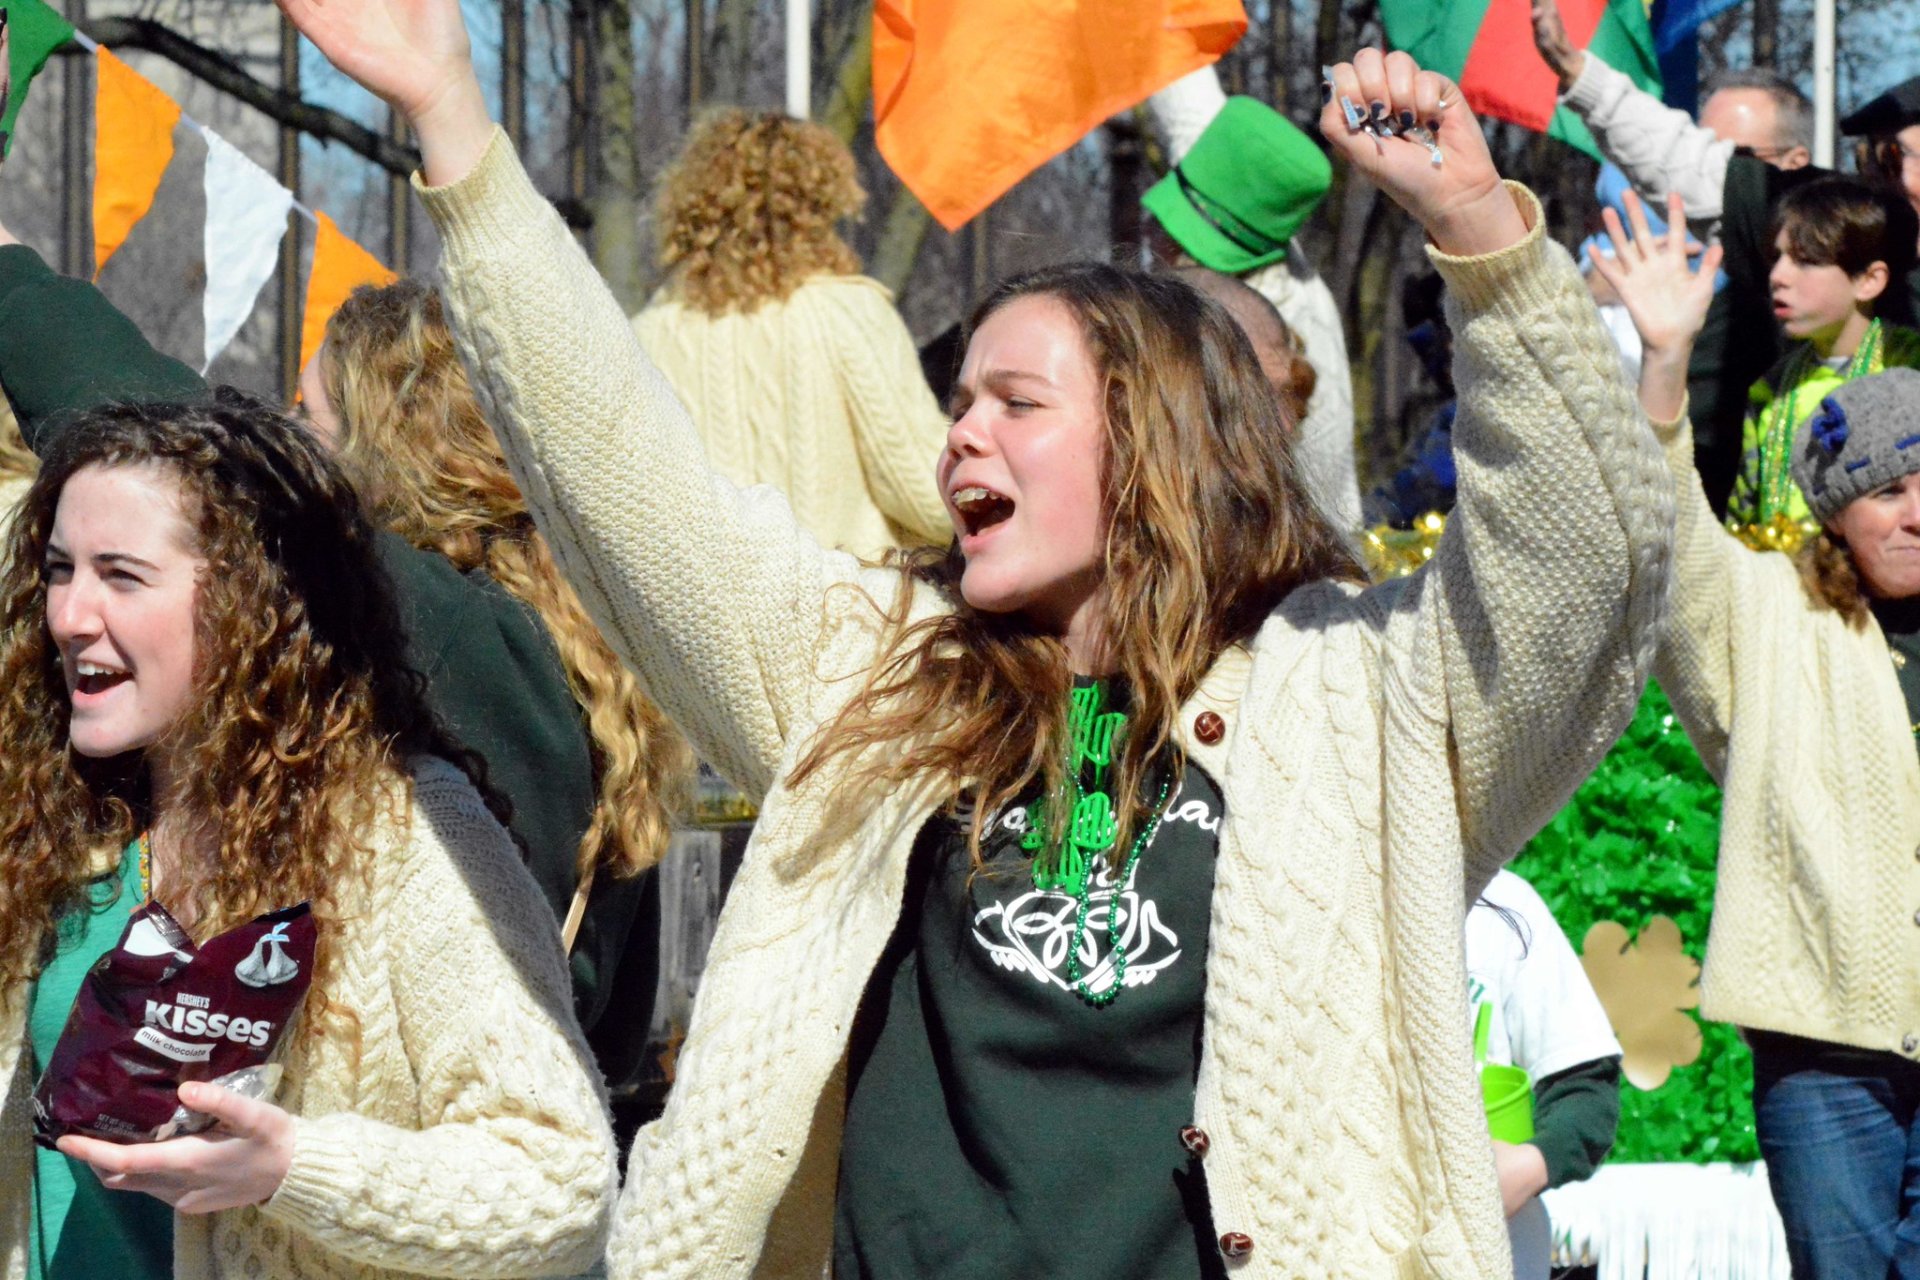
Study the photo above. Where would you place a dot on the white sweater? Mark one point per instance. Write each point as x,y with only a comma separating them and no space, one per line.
1800,719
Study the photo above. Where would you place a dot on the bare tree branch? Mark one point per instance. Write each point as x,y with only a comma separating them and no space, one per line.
223,73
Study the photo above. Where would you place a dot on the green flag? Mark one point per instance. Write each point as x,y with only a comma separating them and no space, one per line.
34,31
1487,46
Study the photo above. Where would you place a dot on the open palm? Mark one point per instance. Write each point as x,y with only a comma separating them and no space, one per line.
409,52
1667,298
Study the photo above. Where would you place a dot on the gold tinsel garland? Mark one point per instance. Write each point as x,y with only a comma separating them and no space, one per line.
1395,553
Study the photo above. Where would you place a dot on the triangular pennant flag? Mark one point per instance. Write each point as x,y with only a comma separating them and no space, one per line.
339,267
970,96
34,31
246,216
1487,45
132,145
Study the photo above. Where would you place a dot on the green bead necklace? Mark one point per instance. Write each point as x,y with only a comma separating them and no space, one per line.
1776,476
1075,979
1090,832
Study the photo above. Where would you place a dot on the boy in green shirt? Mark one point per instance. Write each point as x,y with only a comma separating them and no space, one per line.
1839,245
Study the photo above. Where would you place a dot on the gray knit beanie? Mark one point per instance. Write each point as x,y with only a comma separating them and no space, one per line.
1866,434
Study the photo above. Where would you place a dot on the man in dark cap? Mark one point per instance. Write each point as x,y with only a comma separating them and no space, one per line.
1888,152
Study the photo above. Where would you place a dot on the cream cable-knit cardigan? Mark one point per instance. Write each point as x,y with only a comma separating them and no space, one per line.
468,1138
1384,751
820,395
1800,719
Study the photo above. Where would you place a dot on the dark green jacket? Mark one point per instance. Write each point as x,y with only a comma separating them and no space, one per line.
494,677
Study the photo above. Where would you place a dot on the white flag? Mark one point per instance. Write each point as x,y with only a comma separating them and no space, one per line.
246,216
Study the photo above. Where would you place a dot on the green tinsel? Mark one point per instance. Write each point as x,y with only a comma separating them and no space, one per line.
1639,839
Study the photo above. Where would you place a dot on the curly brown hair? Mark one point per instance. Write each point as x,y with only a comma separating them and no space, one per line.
746,211
1831,579
305,713
415,442
1208,529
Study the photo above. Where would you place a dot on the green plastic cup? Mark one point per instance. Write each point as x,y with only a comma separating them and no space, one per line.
1508,1096
1505,1091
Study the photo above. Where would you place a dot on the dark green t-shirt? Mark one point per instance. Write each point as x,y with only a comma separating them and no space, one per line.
997,1123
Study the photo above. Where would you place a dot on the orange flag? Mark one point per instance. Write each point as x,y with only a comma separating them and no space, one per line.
132,144
970,96
339,267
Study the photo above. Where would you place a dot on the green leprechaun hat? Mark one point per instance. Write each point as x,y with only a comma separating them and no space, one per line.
1247,185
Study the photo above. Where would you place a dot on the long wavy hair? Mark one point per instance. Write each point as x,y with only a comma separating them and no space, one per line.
1208,528
747,210
413,438
294,746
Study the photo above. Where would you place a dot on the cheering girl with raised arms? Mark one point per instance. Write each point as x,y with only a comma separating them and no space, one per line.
1008,985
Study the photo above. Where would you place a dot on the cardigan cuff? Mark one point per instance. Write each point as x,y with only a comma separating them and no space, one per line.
1514,280
1589,87
490,209
318,1188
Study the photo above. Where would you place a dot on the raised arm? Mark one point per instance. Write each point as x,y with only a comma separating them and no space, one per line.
714,596
1660,149
1668,302
1530,634
64,348
1182,110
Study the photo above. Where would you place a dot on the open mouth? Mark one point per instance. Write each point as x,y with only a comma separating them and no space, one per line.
981,508
91,678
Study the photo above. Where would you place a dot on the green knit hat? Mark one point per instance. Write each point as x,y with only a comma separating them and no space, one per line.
1247,185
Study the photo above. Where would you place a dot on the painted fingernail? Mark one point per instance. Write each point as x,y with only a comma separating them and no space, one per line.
1406,119
1326,91
1434,124
1379,111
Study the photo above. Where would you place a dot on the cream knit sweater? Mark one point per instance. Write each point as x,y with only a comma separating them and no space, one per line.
1799,717
469,1136
1384,751
820,395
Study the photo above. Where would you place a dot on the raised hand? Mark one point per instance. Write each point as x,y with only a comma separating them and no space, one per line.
1556,49
1460,202
1667,298
242,1161
414,54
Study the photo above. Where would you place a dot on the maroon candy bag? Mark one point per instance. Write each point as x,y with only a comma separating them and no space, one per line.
157,1011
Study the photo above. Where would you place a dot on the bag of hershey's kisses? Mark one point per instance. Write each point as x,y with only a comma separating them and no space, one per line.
157,1011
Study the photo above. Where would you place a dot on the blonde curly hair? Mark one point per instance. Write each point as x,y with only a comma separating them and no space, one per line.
413,438
746,211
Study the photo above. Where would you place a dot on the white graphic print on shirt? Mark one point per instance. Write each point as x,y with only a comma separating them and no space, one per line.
1032,932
